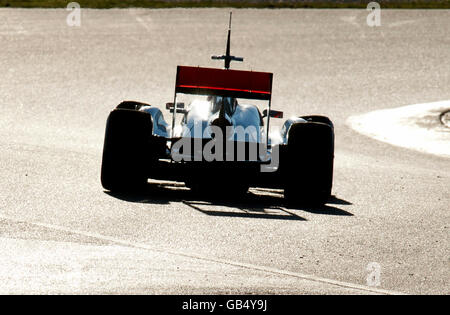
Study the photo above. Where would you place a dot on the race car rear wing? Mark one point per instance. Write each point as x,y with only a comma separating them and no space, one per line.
224,82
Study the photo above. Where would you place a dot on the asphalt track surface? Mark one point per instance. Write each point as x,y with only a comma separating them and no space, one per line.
62,233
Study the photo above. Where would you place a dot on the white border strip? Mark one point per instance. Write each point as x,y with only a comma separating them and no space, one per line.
412,127
215,260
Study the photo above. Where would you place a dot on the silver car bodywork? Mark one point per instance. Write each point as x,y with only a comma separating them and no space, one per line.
247,122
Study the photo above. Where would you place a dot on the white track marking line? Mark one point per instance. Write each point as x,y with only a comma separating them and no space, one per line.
11,30
414,127
401,23
140,20
215,260
351,20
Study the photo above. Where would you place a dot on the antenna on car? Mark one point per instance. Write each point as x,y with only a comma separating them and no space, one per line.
227,57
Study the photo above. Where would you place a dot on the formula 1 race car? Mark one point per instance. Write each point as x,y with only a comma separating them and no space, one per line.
219,145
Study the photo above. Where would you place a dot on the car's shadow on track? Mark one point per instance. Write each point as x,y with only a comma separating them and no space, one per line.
257,203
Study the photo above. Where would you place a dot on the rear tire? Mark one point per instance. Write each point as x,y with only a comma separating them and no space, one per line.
126,150
308,170
318,118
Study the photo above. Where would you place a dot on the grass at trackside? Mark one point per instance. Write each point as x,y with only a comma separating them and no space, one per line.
104,4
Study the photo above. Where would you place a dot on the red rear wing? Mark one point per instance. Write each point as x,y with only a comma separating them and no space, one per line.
234,83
